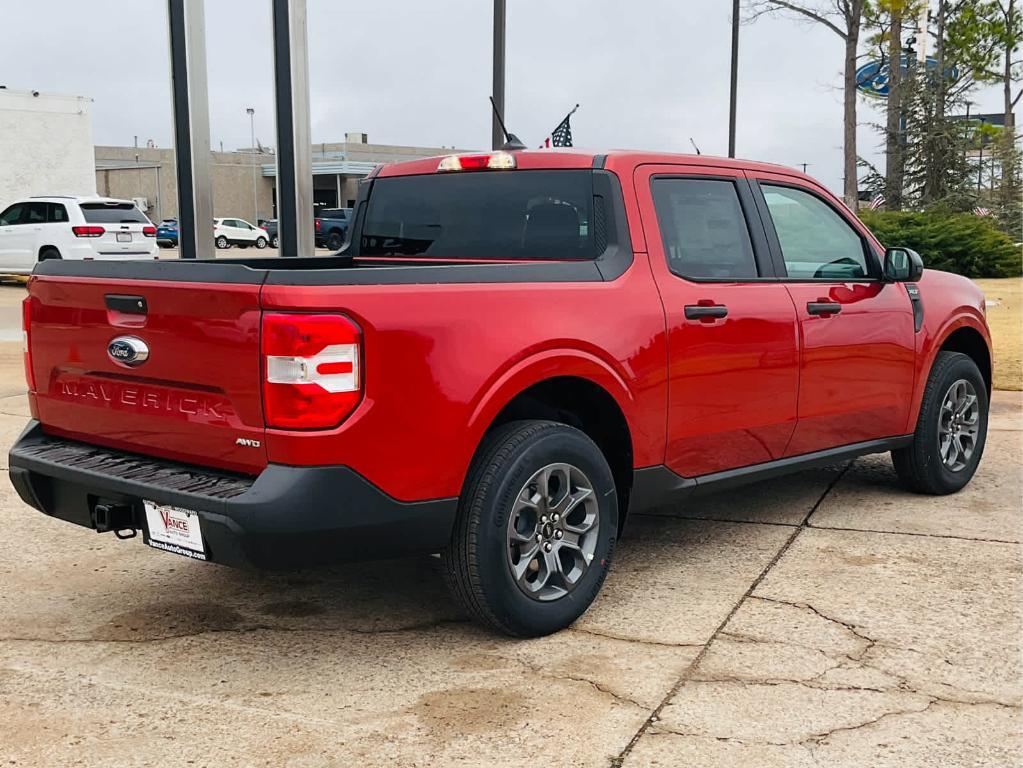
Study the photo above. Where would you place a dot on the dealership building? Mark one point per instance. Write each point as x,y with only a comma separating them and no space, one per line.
244,182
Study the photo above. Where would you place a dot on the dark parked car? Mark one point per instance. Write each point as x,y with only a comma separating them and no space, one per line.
167,233
270,225
332,227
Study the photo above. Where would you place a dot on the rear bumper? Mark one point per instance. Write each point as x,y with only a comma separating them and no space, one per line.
286,517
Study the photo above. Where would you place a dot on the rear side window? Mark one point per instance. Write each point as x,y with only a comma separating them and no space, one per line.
703,229
113,213
484,215
816,242
57,213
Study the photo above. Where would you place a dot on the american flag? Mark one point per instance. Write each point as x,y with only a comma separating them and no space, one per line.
978,211
562,135
876,203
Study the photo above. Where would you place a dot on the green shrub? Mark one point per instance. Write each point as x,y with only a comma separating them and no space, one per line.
968,245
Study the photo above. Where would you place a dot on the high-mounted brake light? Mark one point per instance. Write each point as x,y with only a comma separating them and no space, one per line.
496,161
313,376
88,231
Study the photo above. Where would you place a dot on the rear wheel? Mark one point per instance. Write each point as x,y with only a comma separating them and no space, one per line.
221,242
335,240
261,242
950,431
49,253
536,529
274,241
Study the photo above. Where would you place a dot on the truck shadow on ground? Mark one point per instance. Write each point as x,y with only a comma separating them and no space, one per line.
406,594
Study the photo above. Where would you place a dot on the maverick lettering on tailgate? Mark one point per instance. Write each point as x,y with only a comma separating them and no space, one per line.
201,407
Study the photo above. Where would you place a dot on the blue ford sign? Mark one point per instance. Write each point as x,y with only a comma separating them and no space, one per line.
873,77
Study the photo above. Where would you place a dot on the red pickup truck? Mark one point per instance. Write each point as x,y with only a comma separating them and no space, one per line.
513,353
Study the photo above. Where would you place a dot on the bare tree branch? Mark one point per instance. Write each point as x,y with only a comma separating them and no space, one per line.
769,6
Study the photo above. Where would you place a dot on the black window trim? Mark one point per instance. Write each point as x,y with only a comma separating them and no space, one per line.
762,254
613,262
871,256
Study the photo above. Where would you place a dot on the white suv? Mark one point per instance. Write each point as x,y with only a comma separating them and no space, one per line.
41,228
238,232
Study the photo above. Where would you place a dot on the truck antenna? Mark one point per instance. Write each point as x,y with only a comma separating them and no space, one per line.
511,141
694,146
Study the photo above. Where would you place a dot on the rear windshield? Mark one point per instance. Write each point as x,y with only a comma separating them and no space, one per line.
113,213
334,213
481,215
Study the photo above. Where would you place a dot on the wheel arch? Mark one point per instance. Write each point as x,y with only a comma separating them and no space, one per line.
970,342
573,386
48,247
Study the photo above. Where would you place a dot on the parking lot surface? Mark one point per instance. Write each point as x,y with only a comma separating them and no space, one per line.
824,619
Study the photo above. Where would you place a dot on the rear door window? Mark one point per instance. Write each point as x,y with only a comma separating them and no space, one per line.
113,213
704,229
36,213
481,215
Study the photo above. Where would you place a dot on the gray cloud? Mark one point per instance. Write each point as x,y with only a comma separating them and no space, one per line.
648,73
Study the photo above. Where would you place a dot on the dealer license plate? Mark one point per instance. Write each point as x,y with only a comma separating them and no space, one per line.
124,237
173,529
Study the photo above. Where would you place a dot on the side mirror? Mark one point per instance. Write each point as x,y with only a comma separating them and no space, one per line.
902,265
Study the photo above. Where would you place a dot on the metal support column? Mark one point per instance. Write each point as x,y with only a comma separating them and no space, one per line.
733,94
496,132
191,128
294,140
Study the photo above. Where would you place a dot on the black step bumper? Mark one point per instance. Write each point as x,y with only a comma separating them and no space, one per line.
286,517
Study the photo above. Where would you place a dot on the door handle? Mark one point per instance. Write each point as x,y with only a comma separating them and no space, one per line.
823,308
705,312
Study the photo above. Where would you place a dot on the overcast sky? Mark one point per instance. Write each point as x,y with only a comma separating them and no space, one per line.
648,74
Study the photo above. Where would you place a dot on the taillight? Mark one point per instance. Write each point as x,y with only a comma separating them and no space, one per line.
149,231
88,231
317,223
26,324
497,161
312,373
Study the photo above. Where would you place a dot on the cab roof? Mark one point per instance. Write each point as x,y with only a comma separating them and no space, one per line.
619,160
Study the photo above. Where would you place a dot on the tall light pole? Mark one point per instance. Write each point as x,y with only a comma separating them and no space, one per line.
252,148
496,134
733,94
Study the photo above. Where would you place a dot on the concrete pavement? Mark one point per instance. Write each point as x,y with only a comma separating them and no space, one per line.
826,619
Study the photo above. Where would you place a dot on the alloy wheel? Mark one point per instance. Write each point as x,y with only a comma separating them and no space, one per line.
552,532
958,425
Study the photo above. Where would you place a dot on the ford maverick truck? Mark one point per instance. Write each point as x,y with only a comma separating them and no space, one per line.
513,353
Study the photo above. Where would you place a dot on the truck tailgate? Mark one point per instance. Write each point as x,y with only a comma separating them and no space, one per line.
195,399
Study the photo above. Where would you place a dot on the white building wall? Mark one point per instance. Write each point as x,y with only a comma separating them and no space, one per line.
45,145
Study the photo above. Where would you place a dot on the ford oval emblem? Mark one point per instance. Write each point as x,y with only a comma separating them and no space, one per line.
128,351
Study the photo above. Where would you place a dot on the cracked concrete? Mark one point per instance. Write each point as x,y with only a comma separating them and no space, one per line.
885,630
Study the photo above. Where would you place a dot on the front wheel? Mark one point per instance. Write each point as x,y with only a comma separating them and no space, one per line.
950,431
537,525
261,242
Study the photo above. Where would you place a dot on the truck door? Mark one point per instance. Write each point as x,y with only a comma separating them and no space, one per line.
732,335
857,331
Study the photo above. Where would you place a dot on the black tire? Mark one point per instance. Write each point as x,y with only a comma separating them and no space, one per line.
49,253
261,242
476,563
919,465
221,242
275,242
335,240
